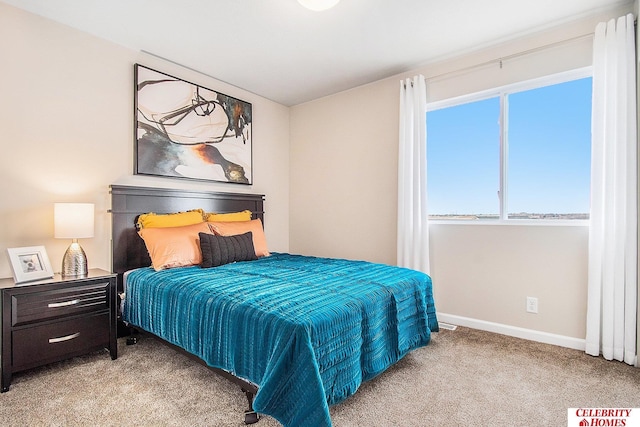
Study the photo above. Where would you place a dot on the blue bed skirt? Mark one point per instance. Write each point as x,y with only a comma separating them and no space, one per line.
308,331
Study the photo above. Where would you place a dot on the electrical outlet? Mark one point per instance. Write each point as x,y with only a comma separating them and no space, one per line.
532,305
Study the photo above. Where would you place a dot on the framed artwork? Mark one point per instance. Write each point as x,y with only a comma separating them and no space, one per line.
29,263
184,130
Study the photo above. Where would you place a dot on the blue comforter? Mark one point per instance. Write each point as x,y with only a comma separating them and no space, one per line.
308,331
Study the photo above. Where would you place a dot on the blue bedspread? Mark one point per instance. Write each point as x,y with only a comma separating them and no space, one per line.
308,331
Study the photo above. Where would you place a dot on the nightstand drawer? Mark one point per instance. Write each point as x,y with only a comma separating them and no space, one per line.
55,341
37,306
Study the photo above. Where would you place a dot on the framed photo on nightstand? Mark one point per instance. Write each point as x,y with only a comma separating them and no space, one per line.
29,263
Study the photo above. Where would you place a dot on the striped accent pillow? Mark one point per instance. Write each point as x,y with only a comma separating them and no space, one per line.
220,250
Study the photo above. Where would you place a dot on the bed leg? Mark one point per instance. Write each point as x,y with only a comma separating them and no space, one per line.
250,416
132,338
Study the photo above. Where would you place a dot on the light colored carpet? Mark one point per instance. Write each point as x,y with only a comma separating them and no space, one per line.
462,378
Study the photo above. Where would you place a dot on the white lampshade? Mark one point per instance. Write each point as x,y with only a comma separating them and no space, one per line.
73,220
318,5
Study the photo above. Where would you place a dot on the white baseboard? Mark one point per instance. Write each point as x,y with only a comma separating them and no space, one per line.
514,331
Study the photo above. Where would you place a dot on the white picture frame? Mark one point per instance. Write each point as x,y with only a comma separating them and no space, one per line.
29,263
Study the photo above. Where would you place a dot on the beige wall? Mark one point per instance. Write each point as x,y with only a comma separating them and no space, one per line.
486,273
343,192
66,105
343,175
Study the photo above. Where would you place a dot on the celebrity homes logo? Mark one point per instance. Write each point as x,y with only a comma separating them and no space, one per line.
603,417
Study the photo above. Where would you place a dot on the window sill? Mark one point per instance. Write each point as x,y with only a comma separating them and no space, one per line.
514,222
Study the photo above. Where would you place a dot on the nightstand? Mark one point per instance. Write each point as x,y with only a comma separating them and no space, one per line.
55,319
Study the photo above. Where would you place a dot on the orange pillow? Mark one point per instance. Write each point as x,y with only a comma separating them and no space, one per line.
228,217
177,219
174,246
241,227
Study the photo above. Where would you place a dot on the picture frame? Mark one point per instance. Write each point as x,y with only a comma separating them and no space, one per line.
184,130
29,263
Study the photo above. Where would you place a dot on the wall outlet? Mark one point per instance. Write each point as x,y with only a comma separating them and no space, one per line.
532,305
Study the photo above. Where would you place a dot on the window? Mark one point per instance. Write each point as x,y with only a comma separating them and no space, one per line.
518,152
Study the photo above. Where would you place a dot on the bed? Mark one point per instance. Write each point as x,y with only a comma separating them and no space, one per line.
297,333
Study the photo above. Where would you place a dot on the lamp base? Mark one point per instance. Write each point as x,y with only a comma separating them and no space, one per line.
74,262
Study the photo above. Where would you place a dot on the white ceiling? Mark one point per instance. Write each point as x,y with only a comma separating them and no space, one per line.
281,51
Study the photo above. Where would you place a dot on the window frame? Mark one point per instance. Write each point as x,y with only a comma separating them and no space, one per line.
502,93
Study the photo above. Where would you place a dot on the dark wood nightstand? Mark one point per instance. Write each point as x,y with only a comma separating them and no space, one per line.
55,319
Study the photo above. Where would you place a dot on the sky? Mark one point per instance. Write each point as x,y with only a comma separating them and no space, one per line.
549,153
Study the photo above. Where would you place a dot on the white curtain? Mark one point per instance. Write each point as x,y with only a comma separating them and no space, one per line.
413,229
612,291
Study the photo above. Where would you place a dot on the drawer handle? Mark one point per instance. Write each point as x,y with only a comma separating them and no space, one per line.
63,304
65,338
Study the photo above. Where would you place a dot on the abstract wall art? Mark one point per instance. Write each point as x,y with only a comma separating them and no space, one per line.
184,130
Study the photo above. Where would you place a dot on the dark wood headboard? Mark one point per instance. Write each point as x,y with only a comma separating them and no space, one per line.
127,202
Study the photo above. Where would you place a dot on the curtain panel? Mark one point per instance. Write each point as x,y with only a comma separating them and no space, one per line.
613,244
413,227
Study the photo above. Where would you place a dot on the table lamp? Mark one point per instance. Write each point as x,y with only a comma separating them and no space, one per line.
73,221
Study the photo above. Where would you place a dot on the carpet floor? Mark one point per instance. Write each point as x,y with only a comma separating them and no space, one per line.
464,377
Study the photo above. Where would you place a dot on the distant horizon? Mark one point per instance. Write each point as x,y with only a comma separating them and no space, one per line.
519,215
